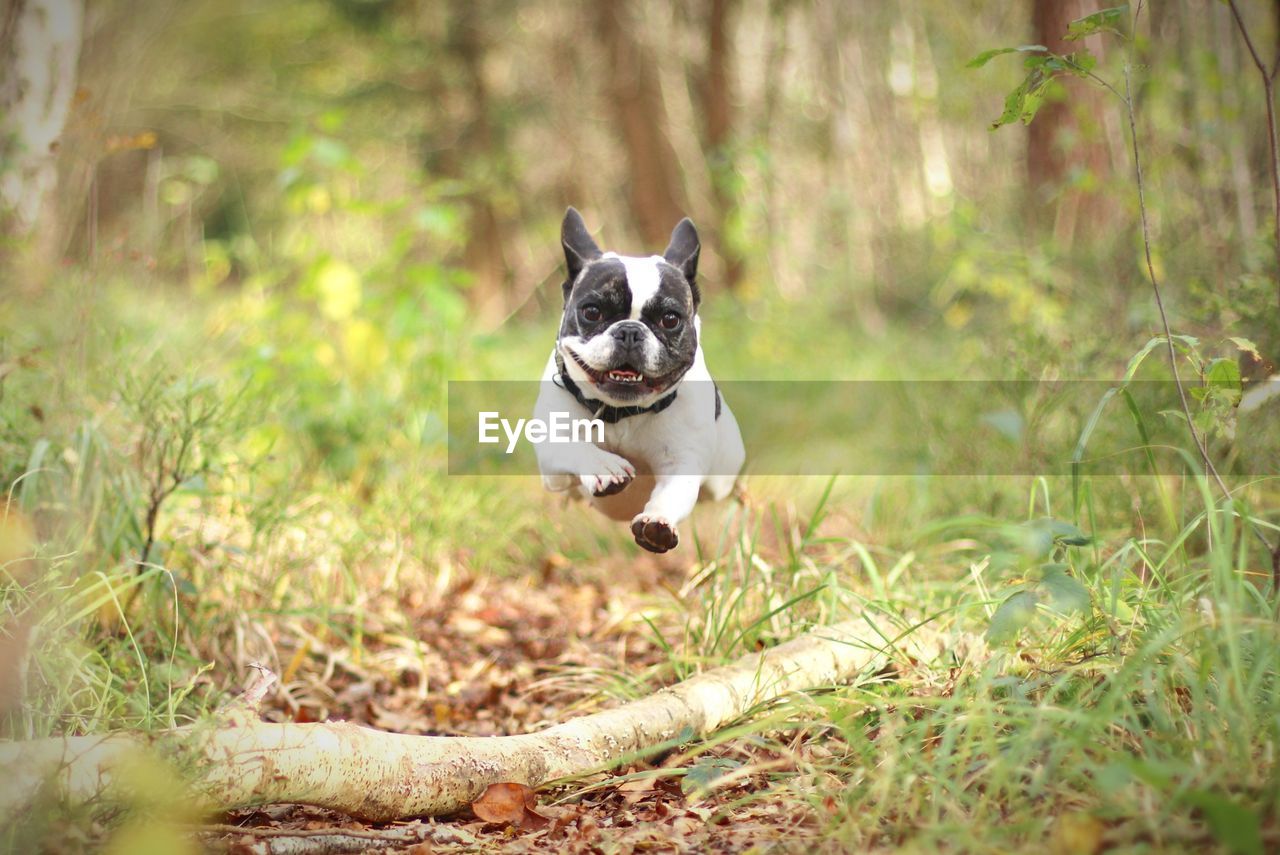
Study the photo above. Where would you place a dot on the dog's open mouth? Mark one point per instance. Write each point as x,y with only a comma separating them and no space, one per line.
625,379
625,375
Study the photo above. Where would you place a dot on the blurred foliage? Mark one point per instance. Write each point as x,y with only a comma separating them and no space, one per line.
430,148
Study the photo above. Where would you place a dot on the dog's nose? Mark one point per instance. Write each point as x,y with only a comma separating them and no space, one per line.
628,333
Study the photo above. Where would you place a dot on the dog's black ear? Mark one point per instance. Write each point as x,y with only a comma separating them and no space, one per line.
683,250
579,248
682,253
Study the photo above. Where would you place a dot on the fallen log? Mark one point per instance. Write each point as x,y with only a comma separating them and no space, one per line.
380,776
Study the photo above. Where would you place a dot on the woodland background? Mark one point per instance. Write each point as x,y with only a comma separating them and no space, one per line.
246,246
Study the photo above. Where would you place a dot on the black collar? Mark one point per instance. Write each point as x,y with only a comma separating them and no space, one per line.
599,409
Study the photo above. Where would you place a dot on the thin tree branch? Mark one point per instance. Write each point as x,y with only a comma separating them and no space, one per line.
1268,78
1248,42
1155,288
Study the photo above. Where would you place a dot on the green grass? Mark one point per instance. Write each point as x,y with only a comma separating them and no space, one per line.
1149,722
1145,720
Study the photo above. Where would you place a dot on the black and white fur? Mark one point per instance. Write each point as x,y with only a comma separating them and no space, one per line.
628,350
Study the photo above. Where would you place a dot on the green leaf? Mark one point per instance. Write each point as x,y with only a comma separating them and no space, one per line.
1038,537
1035,98
1104,20
1079,63
1224,374
1136,360
1246,345
1235,826
1113,777
1065,533
1223,387
987,55
1077,455
1013,104
1066,594
1012,615
1024,102
1121,610
1205,421
1185,343
1033,539
701,775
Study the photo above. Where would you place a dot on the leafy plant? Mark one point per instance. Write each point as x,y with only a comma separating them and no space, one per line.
1220,387
1043,66
1049,584
184,425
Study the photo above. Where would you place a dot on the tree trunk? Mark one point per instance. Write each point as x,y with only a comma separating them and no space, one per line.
380,776
716,96
1066,139
39,55
485,254
653,182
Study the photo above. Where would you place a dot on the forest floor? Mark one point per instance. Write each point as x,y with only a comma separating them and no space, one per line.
511,656
481,655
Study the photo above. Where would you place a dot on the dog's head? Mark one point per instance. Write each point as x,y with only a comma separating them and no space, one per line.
630,327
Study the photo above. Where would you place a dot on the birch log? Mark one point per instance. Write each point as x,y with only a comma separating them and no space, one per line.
381,776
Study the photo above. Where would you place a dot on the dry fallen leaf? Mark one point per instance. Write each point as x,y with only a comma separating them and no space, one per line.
637,788
511,803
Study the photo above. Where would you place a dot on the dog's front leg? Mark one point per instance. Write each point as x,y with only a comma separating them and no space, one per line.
596,471
576,464
672,500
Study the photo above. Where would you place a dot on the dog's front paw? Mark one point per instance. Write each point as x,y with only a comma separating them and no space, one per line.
612,475
654,533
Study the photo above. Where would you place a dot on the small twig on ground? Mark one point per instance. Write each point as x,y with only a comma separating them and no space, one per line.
331,841
245,705
259,684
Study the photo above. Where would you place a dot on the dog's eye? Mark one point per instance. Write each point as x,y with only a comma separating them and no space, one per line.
670,321
591,313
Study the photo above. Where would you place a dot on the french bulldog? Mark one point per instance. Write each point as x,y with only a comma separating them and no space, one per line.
628,354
